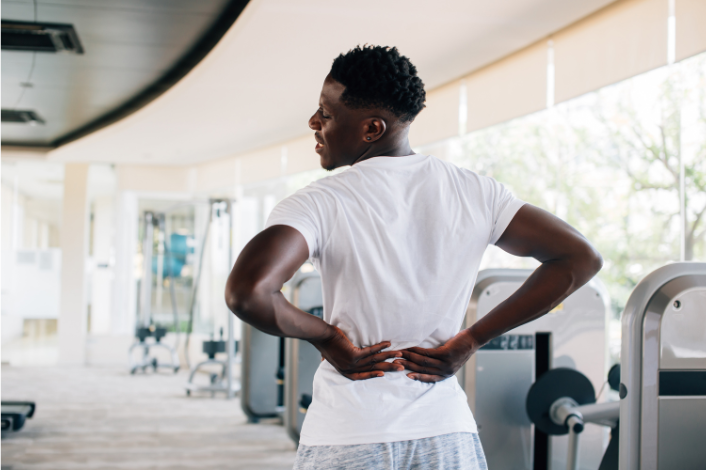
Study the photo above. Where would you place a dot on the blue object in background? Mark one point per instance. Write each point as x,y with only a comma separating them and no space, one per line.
179,245
175,259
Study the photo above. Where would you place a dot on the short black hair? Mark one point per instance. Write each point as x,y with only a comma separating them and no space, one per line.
380,77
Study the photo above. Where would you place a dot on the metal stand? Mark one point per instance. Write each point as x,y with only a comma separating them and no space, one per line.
146,328
230,350
223,382
216,380
147,361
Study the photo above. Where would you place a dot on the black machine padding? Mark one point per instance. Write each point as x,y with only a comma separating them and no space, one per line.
15,413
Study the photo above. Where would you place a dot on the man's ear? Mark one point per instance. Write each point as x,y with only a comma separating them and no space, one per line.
373,129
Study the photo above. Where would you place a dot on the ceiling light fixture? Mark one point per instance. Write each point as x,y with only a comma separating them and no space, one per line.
21,116
40,37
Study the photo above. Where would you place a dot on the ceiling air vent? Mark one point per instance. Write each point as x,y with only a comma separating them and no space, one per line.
40,37
21,116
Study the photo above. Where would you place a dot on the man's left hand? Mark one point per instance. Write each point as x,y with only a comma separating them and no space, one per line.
435,365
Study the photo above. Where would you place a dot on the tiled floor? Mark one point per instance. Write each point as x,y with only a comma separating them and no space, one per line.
103,418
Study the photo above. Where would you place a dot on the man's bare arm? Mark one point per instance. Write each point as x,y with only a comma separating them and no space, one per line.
568,262
254,287
254,294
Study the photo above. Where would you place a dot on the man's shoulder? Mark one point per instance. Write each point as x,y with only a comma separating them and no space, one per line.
321,189
465,174
329,185
477,185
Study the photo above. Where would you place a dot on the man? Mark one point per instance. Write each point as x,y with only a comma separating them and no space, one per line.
397,238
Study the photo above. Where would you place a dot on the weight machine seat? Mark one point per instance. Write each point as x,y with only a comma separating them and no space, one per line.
15,413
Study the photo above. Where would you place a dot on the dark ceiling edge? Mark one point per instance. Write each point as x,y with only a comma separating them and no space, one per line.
187,62
27,145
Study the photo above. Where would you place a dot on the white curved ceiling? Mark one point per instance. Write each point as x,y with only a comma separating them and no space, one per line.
260,84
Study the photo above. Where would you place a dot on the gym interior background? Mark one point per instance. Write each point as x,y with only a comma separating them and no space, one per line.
145,142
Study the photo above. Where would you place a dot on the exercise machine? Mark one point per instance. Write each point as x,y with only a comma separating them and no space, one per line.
301,358
277,373
148,361
15,414
498,377
263,373
220,214
658,423
663,371
260,365
217,382
146,328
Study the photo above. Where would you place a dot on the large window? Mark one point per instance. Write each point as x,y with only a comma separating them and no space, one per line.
626,165
32,194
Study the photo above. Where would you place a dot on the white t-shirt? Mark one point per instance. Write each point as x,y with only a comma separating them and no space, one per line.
398,242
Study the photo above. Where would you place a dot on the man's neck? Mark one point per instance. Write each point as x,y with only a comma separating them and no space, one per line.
398,149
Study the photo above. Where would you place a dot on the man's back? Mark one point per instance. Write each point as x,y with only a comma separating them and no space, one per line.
398,242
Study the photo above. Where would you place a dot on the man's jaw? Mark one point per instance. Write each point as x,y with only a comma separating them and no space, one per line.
326,164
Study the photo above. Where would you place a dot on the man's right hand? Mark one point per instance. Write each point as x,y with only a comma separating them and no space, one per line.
353,362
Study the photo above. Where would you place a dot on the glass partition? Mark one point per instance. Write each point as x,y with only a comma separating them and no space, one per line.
32,196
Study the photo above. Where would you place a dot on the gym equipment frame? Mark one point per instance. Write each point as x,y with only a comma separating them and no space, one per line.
663,371
145,328
301,358
662,409
224,382
498,377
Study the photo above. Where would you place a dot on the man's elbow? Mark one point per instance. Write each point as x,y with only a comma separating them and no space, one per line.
240,300
591,260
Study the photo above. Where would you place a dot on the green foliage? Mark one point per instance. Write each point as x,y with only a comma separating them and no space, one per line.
609,164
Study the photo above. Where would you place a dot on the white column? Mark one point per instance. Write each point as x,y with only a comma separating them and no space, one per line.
102,277
124,287
74,252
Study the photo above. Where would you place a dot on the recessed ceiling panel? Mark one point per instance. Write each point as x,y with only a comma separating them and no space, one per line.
128,45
